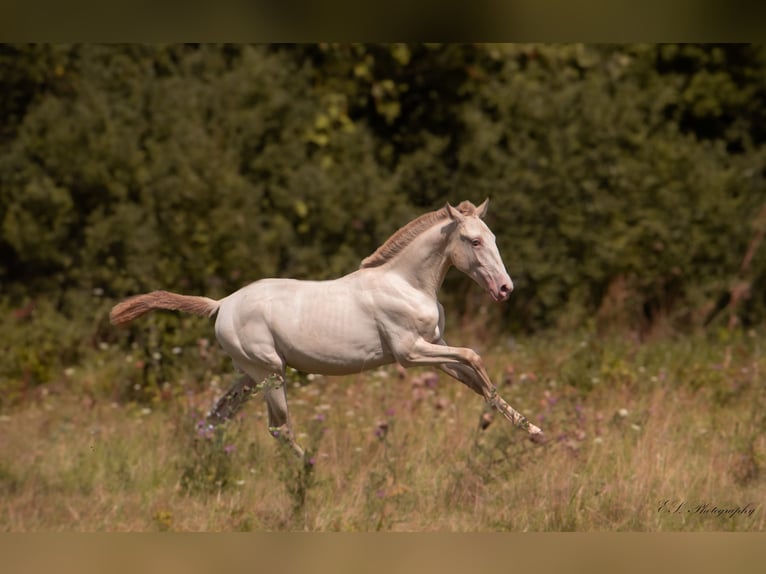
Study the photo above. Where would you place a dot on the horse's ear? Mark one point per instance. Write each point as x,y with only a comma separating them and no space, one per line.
455,214
481,211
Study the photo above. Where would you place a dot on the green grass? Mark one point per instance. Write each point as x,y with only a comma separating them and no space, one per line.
629,426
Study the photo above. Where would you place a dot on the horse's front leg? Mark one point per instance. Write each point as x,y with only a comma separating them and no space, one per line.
468,377
424,353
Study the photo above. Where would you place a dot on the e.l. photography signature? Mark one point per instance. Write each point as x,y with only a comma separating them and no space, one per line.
670,506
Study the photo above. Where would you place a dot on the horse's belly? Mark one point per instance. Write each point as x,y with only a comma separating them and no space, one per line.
334,364
332,343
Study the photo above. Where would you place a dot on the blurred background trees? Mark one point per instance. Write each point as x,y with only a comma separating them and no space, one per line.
626,182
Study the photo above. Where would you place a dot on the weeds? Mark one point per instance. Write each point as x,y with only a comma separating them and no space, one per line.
382,488
676,419
208,465
298,474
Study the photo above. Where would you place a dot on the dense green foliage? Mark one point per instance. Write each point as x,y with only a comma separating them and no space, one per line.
627,182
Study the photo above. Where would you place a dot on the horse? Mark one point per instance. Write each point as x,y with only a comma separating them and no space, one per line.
384,312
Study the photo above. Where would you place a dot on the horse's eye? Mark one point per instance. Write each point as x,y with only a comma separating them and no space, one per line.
476,242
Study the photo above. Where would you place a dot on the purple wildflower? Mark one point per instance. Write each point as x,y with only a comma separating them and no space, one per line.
204,429
381,430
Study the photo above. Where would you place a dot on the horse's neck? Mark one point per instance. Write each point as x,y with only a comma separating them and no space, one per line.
424,262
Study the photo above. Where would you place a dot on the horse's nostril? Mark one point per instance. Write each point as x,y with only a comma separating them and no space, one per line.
505,289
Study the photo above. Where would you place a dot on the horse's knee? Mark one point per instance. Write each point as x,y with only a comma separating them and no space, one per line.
474,359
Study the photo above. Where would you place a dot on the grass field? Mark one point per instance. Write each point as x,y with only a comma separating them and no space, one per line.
666,435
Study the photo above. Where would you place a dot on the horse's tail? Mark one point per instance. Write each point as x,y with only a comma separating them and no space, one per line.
134,307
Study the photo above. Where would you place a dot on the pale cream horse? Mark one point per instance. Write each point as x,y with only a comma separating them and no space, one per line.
386,311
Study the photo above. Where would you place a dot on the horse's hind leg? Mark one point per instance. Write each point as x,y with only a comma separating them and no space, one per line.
270,379
279,417
229,404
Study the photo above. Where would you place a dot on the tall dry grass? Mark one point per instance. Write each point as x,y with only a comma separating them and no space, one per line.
661,436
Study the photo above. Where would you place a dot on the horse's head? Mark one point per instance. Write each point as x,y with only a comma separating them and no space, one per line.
472,249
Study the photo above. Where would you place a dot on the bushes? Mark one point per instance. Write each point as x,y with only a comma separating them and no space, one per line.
625,181
599,187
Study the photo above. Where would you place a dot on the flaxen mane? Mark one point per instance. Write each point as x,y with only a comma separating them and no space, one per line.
404,236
